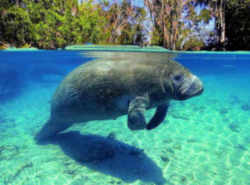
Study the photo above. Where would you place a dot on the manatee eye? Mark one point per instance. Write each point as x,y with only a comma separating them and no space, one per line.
178,77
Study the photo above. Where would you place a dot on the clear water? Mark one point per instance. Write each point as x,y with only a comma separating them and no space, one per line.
203,141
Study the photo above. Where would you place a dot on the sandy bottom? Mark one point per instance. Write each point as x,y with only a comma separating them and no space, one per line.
203,141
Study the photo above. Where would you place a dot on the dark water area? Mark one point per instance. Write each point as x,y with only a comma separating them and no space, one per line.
216,64
204,140
19,69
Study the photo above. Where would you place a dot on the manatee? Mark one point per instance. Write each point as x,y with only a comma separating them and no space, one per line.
117,84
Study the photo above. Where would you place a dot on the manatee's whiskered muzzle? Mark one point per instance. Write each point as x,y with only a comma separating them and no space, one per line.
190,88
195,88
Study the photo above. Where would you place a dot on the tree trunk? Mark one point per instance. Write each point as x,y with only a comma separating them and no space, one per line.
17,3
222,22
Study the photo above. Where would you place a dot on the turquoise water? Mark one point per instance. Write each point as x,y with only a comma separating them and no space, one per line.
203,141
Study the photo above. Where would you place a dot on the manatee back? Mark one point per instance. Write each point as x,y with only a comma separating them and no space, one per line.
94,88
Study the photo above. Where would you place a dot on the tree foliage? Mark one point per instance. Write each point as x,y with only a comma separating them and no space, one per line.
57,23
176,24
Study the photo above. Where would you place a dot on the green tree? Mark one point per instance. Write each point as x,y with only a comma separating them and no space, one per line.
15,24
51,23
92,23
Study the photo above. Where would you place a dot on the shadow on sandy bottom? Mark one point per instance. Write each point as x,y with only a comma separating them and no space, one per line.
110,156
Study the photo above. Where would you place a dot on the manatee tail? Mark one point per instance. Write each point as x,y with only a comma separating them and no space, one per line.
50,129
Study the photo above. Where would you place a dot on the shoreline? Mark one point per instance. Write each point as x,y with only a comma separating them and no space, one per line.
123,48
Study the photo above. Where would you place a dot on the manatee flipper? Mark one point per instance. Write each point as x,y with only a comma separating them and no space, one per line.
50,129
158,117
137,107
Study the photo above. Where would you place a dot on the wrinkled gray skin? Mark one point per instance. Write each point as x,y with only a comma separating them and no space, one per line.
117,85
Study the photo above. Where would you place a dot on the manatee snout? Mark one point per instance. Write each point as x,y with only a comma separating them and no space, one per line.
190,87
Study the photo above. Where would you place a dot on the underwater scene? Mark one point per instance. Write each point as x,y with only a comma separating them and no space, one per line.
204,140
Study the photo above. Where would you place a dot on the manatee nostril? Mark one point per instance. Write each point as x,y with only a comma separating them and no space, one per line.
192,86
